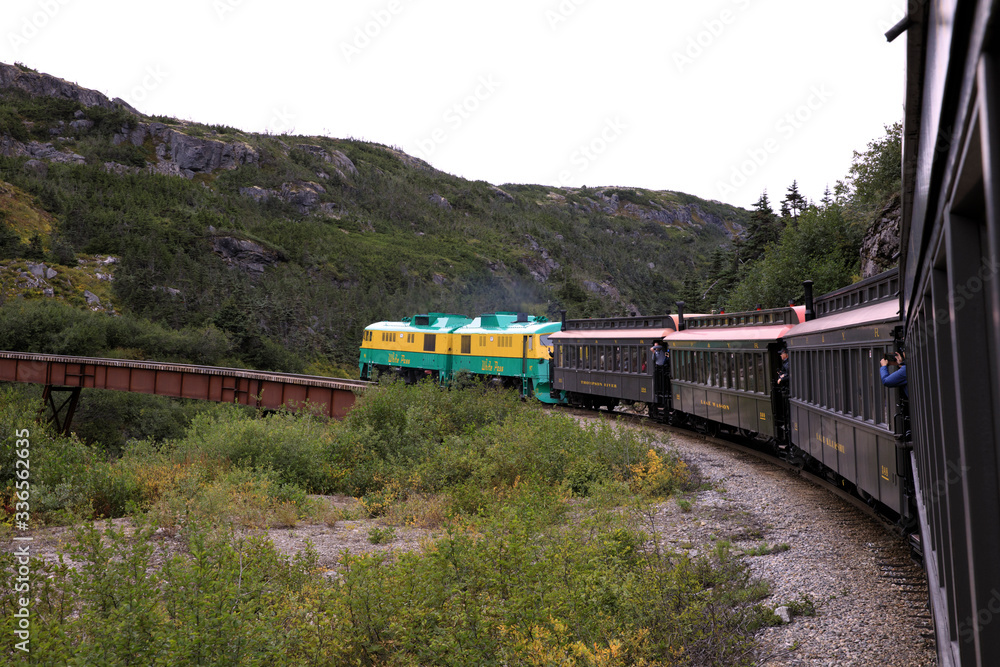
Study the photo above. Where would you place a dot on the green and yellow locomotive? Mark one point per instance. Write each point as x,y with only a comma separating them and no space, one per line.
511,348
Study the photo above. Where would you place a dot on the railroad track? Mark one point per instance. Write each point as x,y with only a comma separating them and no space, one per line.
860,550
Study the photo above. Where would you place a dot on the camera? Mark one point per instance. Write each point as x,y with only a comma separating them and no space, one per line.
891,358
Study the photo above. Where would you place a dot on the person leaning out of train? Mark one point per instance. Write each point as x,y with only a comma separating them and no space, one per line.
783,373
897,379
659,355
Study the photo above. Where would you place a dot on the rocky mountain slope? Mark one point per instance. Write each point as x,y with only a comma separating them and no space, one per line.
304,240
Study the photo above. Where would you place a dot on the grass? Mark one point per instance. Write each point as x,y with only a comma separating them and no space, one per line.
540,556
763,549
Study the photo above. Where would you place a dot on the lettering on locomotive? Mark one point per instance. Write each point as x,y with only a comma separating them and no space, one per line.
491,366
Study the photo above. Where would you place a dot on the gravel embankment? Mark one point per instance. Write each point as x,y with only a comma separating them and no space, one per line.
870,598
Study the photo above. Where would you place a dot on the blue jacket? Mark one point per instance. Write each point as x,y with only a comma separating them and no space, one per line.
897,379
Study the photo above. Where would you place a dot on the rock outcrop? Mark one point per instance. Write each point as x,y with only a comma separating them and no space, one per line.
305,196
340,162
253,258
181,154
880,247
37,151
35,83
540,265
680,215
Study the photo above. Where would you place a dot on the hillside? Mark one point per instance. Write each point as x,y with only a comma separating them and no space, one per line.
287,246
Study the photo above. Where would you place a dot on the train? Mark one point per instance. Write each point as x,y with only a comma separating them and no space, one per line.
928,457
950,298
510,348
721,375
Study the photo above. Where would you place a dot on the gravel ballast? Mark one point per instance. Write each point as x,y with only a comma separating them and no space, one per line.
870,598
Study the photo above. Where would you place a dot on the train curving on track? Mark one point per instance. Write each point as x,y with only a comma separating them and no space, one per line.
933,463
720,374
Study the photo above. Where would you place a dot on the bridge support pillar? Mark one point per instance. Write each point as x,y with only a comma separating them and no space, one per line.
62,412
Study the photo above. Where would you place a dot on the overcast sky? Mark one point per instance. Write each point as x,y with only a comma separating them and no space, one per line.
719,98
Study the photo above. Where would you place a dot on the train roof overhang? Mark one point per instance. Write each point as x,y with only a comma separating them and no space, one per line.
733,334
611,334
884,311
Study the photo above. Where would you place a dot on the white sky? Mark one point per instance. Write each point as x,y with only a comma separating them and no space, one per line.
720,98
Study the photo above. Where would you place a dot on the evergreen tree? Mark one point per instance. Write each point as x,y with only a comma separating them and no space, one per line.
875,175
764,229
827,200
794,203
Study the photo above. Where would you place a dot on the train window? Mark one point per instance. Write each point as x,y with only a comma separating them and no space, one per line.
885,396
814,393
643,359
857,356
838,379
762,379
866,386
544,340
751,373
823,366
430,341
634,353
847,384
531,342
466,344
